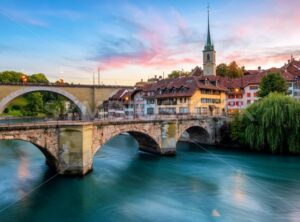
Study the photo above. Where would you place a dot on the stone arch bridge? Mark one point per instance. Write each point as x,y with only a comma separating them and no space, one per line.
69,147
86,97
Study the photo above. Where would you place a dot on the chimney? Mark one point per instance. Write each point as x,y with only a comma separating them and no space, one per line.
155,76
259,68
292,58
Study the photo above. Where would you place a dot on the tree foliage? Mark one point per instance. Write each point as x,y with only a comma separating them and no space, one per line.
270,124
178,73
10,77
38,78
273,82
222,69
35,104
15,77
231,70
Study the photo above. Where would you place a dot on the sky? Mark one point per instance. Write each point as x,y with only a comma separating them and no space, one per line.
133,40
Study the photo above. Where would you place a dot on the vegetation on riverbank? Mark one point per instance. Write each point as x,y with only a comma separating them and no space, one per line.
270,124
37,104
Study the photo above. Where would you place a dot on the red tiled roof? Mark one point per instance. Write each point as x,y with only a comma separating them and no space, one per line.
197,71
255,79
179,87
293,68
118,94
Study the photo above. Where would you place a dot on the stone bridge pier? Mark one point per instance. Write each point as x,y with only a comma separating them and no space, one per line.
69,148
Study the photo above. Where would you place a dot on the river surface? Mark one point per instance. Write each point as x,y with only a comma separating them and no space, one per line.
127,185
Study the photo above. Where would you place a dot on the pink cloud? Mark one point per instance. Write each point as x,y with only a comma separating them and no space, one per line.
154,32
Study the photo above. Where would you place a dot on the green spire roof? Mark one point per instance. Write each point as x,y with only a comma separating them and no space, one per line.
208,46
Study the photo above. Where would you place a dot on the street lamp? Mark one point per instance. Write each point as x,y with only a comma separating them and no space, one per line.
24,79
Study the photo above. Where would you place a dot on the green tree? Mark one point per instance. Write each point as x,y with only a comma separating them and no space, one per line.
10,77
222,69
270,124
273,82
178,73
234,71
38,78
35,104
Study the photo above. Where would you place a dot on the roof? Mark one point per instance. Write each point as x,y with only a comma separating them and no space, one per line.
197,71
179,87
293,67
121,94
255,79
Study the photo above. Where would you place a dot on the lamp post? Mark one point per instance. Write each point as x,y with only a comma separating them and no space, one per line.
24,79
237,90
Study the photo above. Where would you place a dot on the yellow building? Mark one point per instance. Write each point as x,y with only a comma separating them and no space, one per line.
186,95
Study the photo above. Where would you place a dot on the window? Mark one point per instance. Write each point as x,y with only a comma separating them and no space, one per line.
168,101
150,111
248,94
253,87
208,57
208,100
204,110
167,110
255,94
150,101
248,101
183,110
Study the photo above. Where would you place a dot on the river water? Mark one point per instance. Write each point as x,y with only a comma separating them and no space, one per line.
127,185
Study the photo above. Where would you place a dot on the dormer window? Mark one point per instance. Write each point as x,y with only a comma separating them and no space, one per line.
206,82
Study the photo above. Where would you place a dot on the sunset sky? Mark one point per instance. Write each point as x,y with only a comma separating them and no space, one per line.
133,40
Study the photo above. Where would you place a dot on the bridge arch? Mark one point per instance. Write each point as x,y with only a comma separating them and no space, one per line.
146,141
6,100
195,134
50,157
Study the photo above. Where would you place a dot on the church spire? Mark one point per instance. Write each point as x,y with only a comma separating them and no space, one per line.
209,53
208,45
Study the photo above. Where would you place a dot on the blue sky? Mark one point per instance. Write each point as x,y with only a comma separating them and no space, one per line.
133,40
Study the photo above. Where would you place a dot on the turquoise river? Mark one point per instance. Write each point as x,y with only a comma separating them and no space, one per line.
198,184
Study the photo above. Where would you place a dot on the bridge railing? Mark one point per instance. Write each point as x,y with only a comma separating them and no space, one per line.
156,116
22,121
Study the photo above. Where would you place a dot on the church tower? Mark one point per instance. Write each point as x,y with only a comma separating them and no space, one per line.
209,53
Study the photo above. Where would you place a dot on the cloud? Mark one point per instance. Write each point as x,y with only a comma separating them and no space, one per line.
22,17
146,39
267,57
